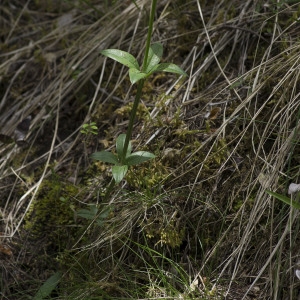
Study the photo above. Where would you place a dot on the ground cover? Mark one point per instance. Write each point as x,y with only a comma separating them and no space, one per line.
196,222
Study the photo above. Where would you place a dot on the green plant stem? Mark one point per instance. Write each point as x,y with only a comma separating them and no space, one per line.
132,117
148,42
140,83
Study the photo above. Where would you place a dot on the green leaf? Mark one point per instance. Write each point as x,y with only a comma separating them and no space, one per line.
154,56
89,213
92,212
119,172
138,157
105,156
168,67
46,289
89,128
120,145
284,199
122,57
136,75
103,215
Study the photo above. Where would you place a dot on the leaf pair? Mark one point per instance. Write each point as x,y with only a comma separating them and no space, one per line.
152,65
121,163
90,128
92,213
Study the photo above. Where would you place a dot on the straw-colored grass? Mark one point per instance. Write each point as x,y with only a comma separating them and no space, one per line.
196,222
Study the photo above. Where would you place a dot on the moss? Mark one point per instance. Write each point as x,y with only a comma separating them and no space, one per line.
124,111
164,233
148,175
52,212
220,152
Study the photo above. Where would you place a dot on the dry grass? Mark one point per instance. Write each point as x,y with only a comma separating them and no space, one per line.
196,222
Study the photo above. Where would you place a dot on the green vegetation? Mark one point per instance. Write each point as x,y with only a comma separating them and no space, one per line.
202,200
153,55
90,128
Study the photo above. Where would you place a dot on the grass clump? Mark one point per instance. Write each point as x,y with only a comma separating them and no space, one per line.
196,222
